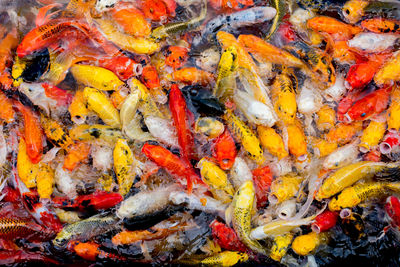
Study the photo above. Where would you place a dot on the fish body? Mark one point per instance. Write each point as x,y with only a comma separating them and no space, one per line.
334,27
389,72
145,203
371,104
138,45
210,127
281,246
227,67
172,163
284,96
326,118
123,166
226,237
360,74
76,154
324,221
85,229
393,113
214,177
32,132
225,258
306,244
341,157
279,227
372,42
46,34
170,29
55,132
240,173
97,77
243,133
255,111
242,209
280,7
77,109
27,170
262,178
392,208
225,150
272,141
268,52
7,112
45,181
353,10
238,19
86,132
284,188
348,175
178,109
297,143
372,135
381,25
354,195
318,64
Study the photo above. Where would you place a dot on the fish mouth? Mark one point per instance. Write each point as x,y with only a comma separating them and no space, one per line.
347,118
385,148
315,228
345,213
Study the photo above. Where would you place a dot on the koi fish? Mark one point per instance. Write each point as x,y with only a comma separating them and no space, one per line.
337,29
324,222
210,127
371,104
225,150
269,52
178,109
226,237
101,105
172,163
85,229
242,209
46,34
348,175
124,163
280,246
92,251
354,195
305,244
381,25
392,208
32,132
132,20
97,77
174,28
284,188
216,179
262,178
100,200
245,135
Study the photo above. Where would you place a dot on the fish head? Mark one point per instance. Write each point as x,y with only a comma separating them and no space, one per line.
392,208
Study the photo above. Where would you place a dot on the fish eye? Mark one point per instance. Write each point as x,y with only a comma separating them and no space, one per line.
193,92
363,114
347,11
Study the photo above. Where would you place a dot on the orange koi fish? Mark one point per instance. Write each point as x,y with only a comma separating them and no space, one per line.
172,163
178,108
225,150
337,29
33,133
381,25
371,104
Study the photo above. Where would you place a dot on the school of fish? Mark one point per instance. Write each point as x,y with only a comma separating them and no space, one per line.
199,132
